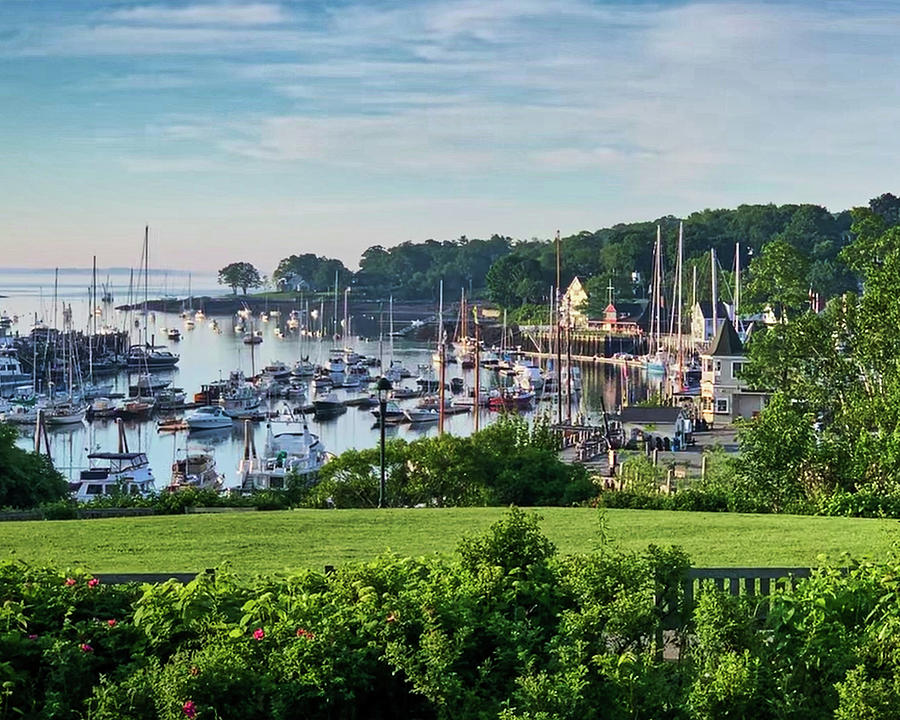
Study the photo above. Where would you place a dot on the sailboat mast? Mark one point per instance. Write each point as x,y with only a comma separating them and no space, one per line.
390,333
559,412
146,280
737,284
334,312
658,285
441,358
715,293
93,323
680,281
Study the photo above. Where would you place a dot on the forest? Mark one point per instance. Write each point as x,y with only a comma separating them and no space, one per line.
806,241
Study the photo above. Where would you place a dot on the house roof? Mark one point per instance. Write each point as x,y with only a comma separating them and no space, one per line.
726,342
646,415
706,309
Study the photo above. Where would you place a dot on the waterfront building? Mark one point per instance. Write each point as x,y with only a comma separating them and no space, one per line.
724,396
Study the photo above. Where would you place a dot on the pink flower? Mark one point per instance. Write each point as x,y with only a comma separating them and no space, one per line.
111,622
93,582
70,582
189,709
86,648
259,634
302,633
32,637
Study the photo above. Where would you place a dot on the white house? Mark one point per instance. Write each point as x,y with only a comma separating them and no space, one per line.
573,305
724,396
702,330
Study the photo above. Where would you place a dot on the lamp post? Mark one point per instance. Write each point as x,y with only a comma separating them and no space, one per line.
383,386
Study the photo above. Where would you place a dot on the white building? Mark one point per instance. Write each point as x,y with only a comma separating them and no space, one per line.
724,396
702,330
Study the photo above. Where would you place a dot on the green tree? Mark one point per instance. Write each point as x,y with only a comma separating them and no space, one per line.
26,479
240,275
778,278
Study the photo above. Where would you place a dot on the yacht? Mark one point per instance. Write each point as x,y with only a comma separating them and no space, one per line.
112,473
240,401
208,417
276,370
150,358
11,374
174,334
195,471
292,451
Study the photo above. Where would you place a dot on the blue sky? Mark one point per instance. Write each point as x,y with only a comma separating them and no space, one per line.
250,130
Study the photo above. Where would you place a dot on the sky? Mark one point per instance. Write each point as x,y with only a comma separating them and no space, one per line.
253,130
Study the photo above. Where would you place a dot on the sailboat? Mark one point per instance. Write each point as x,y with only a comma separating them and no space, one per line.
655,360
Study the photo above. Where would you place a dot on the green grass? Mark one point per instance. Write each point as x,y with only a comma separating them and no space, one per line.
274,541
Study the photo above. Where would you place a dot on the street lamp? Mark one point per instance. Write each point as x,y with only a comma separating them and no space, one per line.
383,386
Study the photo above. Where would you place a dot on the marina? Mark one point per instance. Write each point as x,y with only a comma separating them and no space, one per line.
207,359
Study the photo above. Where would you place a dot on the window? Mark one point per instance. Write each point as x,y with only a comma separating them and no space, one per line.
736,369
722,405
718,364
94,490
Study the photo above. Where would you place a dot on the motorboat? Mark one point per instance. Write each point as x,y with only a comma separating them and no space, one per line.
511,399
457,385
142,357
329,405
102,408
254,338
110,473
277,370
303,369
174,334
404,393
421,415
208,417
170,398
195,471
336,364
392,411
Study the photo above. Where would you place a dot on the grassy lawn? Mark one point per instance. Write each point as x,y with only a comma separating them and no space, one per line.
274,541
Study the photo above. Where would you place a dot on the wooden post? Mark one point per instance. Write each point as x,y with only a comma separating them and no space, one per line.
655,456
669,481
703,467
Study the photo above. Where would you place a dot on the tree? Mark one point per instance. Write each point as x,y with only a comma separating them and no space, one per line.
778,278
240,275
26,479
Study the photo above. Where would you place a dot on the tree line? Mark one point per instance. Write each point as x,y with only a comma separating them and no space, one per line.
791,251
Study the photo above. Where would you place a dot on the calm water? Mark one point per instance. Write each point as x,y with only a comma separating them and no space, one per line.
206,355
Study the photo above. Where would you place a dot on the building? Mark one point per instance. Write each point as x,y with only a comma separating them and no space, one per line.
573,305
621,319
724,396
702,330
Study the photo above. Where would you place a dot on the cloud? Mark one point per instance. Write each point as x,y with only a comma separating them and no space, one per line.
209,14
